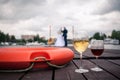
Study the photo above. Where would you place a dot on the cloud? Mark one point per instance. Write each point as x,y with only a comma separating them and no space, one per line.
35,16
15,10
107,6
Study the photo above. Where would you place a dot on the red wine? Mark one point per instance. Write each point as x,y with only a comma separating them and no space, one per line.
97,52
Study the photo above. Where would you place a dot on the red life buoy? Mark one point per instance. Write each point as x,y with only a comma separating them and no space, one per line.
12,58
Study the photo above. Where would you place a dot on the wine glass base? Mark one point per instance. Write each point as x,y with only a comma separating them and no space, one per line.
96,69
81,70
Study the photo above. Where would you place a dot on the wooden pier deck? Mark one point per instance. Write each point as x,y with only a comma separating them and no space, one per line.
109,62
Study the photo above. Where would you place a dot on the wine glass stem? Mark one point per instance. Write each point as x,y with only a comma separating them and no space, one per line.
80,60
96,61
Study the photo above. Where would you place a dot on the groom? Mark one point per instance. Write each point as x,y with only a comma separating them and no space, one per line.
65,31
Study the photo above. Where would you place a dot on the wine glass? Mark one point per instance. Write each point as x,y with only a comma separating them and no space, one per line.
97,48
80,43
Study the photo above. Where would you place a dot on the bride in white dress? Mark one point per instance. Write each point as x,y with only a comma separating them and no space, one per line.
60,39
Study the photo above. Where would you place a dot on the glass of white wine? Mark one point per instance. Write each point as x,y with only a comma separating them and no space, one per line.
80,43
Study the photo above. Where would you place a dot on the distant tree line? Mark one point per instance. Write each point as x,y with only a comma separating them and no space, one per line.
6,37
11,39
101,36
98,36
115,35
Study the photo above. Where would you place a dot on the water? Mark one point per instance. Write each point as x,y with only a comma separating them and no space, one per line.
108,46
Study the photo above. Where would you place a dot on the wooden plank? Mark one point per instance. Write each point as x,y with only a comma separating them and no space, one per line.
112,57
10,76
106,54
116,62
113,69
68,73
45,74
92,75
112,51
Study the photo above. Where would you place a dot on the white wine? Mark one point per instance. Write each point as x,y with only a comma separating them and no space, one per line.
80,45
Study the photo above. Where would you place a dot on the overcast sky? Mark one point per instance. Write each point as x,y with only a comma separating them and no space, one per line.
19,17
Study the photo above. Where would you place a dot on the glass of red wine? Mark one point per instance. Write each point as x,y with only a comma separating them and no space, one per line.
97,48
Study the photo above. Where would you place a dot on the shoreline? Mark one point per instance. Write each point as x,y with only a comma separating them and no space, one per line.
106,46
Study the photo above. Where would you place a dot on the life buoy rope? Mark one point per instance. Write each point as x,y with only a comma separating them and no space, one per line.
53,65
32,64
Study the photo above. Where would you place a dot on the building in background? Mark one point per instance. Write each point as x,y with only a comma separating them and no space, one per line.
28,37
